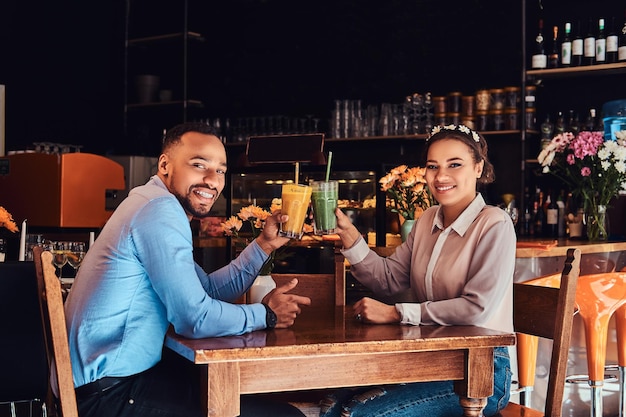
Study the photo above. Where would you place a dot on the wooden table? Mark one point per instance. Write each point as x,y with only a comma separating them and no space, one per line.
329,349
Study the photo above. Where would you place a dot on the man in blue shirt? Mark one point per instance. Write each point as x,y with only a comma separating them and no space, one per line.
139,278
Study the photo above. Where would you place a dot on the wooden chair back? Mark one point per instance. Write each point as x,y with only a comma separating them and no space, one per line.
55,331
325,290
548,312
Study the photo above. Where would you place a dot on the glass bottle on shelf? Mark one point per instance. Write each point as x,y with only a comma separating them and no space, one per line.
612,42
589,46
621,48
577,47
559,124
538,214
566,46
553,60
552,216
539,58
601,43
591,122
574,125
547,132
560,202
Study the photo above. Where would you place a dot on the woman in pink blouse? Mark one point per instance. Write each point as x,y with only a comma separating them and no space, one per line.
458,264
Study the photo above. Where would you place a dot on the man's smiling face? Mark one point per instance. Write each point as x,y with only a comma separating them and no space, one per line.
194,170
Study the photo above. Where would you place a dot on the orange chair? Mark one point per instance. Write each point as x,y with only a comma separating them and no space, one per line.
598,296
620,326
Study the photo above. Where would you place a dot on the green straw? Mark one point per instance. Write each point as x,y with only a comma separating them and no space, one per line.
330,158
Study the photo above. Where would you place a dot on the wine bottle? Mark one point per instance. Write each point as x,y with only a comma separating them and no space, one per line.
559,125
566,47
547,131
538,214
560,202
590,123
573,123
539,58
621,48
601,44
552,217
577,47
612,42
589,46
553,60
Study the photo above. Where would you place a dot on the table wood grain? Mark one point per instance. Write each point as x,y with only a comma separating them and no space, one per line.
331,349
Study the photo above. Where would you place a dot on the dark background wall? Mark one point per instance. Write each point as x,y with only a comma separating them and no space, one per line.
63,62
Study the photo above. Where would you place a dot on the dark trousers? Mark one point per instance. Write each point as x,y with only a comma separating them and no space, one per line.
170,389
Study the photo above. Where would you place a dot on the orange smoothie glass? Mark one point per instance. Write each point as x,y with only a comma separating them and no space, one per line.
295,204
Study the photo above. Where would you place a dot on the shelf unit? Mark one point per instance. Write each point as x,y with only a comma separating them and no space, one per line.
590,85
145,54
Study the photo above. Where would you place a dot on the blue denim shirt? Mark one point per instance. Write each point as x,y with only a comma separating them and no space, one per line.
139,277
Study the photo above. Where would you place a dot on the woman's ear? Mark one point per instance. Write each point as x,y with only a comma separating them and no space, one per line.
479,168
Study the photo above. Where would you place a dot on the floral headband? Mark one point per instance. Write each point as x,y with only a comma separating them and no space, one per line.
460,128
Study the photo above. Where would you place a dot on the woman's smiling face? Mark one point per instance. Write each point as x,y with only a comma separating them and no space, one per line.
451,174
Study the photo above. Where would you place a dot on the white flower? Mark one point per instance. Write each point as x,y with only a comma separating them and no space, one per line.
546,156
464,129
460,128
604,153
620,166
605,165
621,134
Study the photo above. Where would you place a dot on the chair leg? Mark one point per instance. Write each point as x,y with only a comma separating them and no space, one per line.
596,398
525,396
622,391
13,411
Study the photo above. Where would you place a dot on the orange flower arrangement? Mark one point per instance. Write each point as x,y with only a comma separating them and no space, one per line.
408,191
256,216
6,220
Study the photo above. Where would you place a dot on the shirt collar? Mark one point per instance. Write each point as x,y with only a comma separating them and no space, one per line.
467,217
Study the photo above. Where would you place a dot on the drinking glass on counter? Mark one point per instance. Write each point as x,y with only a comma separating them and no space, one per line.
324,197
295,204
76,254
59,255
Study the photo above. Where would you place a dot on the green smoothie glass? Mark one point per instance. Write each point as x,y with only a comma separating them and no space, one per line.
324,198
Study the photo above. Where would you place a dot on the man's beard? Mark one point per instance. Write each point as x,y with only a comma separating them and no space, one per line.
198,212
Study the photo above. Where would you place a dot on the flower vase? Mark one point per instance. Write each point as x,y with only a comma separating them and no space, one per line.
405,229
597,223
261,286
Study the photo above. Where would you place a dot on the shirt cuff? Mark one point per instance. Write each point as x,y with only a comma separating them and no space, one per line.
357,252
410,313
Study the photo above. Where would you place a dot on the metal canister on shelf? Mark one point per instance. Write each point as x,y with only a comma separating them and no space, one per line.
454,102
497,99
467,105
482,120
439,104
482,100
530,95
511,119
531,118
497,119
454,118
512,97
441,119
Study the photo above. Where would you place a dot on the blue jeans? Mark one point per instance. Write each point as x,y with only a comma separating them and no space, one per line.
432,399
